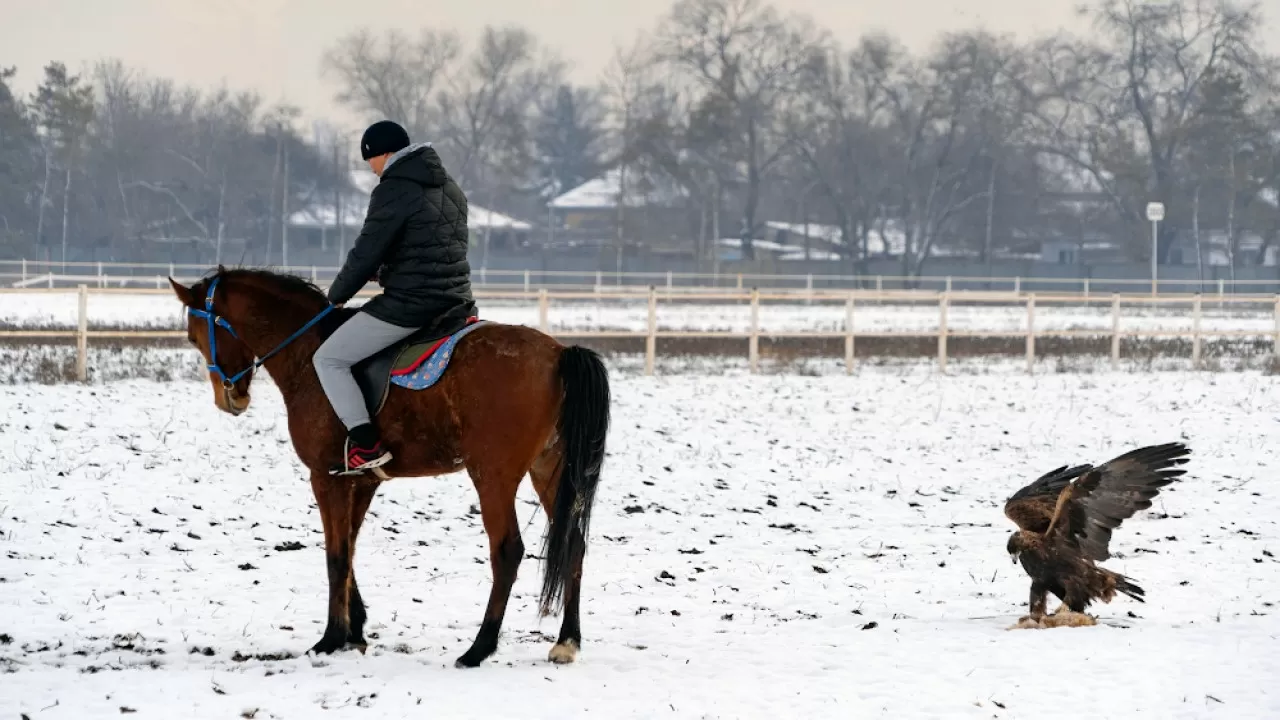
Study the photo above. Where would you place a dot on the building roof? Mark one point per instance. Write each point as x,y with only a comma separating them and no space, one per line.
601,193
321,215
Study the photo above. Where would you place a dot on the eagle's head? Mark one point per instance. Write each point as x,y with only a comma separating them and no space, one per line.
1017,543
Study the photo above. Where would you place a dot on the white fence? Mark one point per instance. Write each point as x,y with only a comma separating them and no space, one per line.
1190,310
26,274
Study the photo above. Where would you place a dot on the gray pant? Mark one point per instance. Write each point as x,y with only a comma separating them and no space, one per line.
358,338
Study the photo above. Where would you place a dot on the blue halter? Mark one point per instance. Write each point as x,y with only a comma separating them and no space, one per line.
218,321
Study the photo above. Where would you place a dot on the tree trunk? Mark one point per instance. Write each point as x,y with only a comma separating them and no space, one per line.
66,213
620,239
715,225
284,212
1195,234
700,252
275,182
222,225
991,211
44,195
1231,214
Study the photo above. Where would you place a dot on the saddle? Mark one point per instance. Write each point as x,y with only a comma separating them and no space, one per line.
416,363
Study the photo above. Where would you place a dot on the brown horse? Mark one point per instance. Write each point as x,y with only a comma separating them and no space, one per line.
513,401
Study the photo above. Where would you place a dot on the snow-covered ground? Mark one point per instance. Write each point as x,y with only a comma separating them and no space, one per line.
162,311
763,547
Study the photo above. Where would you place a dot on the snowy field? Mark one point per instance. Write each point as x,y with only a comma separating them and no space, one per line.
59,309
768,547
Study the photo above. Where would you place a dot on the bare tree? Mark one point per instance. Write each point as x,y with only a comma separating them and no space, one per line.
489,104
1120,109
64,107
393,76
746,59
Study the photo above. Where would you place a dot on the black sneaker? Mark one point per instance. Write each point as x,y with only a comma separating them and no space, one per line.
363,451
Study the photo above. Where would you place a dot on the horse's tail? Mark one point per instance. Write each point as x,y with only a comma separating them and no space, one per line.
584,423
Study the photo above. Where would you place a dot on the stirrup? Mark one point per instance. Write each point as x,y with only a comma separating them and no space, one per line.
370,465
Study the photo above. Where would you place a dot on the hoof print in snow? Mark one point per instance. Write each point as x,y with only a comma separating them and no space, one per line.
247,566
289,546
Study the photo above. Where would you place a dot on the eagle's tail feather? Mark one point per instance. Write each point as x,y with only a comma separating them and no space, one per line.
1129,587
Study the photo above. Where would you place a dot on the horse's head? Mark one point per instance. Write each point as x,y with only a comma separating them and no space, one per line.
230,361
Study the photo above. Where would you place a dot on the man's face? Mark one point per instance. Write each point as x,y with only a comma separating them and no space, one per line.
378,162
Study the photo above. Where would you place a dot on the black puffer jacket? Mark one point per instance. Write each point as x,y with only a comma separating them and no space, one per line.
414,241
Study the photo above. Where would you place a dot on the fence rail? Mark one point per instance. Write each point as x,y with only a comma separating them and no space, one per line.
851,299
31,273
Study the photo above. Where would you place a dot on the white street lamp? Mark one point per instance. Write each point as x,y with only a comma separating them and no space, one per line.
1155,213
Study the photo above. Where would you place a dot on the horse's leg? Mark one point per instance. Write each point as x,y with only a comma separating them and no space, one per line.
334,497
506,550
364,491
545,474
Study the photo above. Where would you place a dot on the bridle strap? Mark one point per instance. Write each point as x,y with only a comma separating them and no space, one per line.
215,321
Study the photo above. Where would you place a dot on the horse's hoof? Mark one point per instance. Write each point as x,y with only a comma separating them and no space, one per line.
468,661
329,644
563,653
358,645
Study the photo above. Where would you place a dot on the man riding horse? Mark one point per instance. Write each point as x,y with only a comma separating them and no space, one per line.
414,243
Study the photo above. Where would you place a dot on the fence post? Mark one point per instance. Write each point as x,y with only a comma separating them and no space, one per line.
1017,285
526,281
24,272
313,273
1221,291
848,334
1031,333
879,284
82,336
651,338
599,281
942,333
1195,333
753,347
1275,339
102,280
1115,331
739,281
948,284
808,289
1086,288
668,281
543,305
49,278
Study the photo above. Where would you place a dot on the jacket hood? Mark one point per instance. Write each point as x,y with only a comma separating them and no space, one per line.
419,163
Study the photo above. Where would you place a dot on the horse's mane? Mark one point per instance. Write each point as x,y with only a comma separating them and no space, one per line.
284,282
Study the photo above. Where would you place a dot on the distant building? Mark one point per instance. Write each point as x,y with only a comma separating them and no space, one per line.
328,226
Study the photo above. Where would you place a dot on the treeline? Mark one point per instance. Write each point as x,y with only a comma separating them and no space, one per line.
983,144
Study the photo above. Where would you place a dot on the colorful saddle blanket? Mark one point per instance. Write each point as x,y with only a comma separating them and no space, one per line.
416,363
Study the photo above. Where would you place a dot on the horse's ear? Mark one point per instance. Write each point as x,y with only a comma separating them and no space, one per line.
183,292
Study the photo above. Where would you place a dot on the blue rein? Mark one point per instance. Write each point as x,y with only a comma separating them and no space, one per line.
218,321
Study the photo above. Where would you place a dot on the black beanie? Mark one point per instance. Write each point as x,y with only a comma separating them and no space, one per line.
381,138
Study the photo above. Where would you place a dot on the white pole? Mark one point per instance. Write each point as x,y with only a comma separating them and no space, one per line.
1155,233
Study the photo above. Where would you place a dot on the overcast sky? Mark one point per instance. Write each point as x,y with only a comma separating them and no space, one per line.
274,46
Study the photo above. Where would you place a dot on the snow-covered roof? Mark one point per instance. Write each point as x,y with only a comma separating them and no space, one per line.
602,193
1270,196
322,215
827,233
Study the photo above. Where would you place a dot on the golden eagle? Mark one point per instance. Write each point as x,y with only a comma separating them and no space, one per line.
1065,526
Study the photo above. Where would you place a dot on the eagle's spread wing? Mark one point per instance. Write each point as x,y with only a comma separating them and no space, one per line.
1032,506
1111,493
